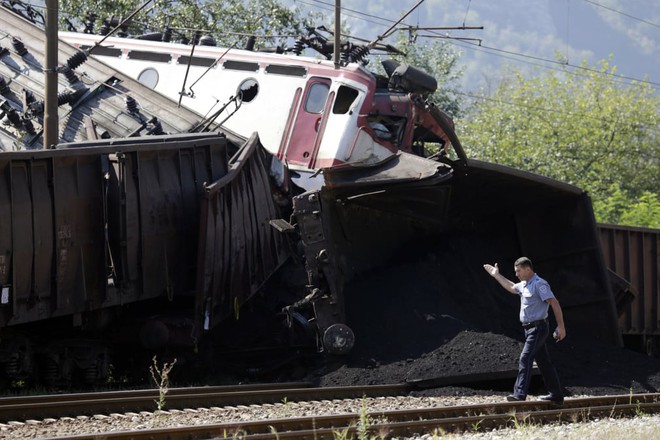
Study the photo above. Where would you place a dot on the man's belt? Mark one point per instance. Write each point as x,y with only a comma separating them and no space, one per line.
534,323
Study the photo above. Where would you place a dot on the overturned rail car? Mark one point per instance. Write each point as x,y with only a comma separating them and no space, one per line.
101,242
393,215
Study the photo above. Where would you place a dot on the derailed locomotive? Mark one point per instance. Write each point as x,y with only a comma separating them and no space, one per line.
162,238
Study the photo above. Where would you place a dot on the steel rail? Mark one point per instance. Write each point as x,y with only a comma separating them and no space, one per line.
63,405
406,422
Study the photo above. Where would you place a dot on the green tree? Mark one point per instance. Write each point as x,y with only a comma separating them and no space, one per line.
228,21
645,211
611,206
580,127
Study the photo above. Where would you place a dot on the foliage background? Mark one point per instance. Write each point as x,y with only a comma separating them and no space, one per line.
228,21
582,127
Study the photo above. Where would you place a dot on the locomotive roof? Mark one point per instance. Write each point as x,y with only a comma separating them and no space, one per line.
98,95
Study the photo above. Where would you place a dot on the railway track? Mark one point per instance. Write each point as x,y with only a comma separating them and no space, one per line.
388,424
67,405
407,422
64,405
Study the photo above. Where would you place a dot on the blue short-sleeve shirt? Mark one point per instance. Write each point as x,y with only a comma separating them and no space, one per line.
533,294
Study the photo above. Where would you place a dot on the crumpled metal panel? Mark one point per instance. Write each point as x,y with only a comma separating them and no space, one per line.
238,248
158,204
400,168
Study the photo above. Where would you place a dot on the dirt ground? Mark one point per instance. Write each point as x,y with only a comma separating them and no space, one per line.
414,323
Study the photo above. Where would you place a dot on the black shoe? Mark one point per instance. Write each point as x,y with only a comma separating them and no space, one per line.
512,398
553,399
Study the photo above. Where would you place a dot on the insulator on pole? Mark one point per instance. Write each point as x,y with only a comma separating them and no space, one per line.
131,104
14,118
29,126
19,46
4,87
250,43
69,74
64,98
298,46
76,60
156,127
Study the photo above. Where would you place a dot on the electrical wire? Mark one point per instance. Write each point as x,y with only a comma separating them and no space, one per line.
567,64
623,13
349,12
497,52
466,12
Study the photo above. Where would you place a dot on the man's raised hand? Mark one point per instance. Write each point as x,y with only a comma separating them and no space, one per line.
492,270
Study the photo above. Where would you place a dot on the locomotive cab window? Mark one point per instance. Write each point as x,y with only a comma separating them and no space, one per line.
345,98
316,97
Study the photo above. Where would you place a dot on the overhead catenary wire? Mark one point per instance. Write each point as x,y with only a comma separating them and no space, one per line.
466,12
559,66
641,20
391,29
497,52
536,62
125,20
567,64
347,11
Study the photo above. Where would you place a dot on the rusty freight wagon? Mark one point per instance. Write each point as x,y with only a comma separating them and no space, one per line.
633,255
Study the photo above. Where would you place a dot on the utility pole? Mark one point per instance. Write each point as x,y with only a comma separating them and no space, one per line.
51,119
337,32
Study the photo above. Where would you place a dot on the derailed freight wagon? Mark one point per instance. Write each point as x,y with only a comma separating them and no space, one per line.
101,247
633,255
392,215
99,239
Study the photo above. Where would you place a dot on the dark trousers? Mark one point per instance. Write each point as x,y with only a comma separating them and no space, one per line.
535,349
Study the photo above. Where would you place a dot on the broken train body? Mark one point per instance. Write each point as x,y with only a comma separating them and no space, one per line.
168,237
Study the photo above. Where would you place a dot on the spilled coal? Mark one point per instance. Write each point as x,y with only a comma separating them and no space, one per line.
415,322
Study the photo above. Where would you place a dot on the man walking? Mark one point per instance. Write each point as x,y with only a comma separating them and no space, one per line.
535,299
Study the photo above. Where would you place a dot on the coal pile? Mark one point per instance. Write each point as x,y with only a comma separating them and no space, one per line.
414,321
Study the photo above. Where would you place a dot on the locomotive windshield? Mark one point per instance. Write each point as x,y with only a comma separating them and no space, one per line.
318,93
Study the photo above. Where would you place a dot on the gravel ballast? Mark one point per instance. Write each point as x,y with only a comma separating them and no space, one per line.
641,427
